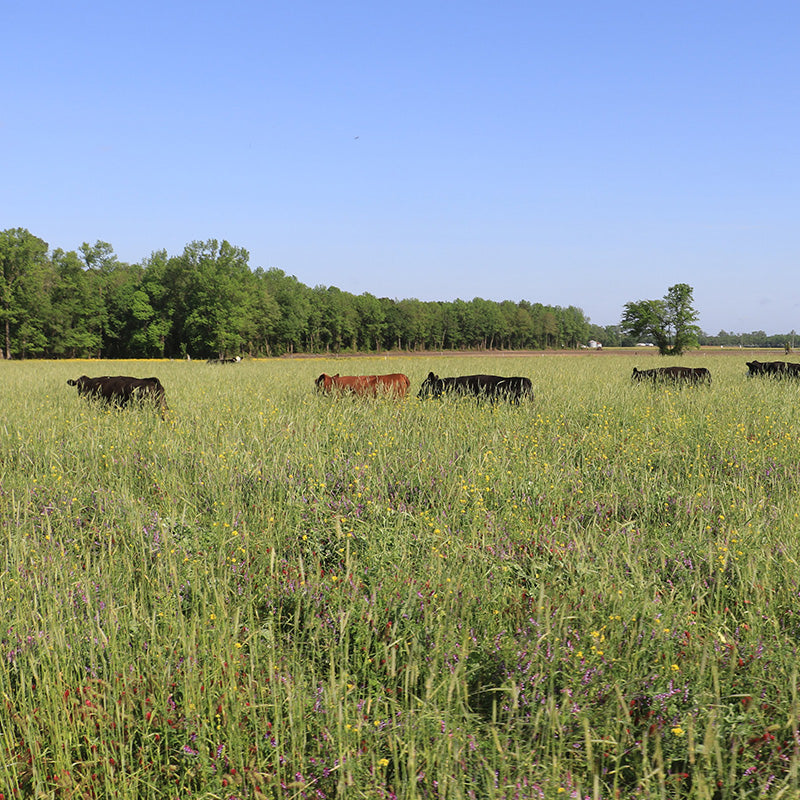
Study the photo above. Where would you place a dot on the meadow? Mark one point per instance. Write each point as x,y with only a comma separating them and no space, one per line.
274,594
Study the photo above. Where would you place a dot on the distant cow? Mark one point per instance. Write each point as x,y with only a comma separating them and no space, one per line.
775,369
672,375
235,360
489,387
395,384
120,390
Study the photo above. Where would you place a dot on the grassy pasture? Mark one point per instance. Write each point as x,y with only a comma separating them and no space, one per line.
272,594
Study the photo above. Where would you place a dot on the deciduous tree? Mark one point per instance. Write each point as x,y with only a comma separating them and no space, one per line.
669,322
20,253
77,306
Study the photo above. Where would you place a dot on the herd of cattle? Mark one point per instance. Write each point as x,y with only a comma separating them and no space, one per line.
121,390
487,387
774,369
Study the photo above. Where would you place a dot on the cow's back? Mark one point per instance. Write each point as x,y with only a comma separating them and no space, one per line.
120,390
514,389
395,383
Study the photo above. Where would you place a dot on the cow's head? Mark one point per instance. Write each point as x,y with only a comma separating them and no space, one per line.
325,382
81,383
432,386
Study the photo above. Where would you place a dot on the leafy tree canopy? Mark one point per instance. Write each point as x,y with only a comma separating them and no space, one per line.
670,322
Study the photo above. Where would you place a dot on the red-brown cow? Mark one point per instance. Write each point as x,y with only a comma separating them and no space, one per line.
395,384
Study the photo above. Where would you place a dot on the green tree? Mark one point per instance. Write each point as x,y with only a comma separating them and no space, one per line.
20,253
339,318
573,326
217,300
127,313
669,322
77,306
36,311
451,336
549,327
412,321
486,323
524,326
265,314
294,301
157,332
371,321
104,273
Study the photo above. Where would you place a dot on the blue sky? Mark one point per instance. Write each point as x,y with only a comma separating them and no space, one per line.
570,153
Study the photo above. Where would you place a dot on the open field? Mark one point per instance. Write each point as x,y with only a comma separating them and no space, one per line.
271,594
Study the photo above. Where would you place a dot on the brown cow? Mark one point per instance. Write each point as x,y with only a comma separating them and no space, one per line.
119,390
395,384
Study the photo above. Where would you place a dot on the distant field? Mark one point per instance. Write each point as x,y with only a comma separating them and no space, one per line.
273,594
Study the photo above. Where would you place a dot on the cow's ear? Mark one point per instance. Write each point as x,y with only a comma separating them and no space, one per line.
336,375
431,376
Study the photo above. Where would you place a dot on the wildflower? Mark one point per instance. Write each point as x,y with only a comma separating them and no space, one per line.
677,731
383,762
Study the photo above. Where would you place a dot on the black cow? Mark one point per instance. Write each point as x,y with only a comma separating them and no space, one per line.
774,369
489,387
235,360
673,375
119,390
514,389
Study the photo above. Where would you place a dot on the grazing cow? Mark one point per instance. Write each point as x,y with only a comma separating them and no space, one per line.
672,375
224,360
774,369
514,389
489,387
119,390
395,384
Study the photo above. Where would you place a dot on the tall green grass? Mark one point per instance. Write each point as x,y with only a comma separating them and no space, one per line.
276,594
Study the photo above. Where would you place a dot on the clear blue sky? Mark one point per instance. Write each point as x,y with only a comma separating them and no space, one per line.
569,153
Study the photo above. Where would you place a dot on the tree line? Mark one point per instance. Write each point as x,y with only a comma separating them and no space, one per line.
615,336
208,301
